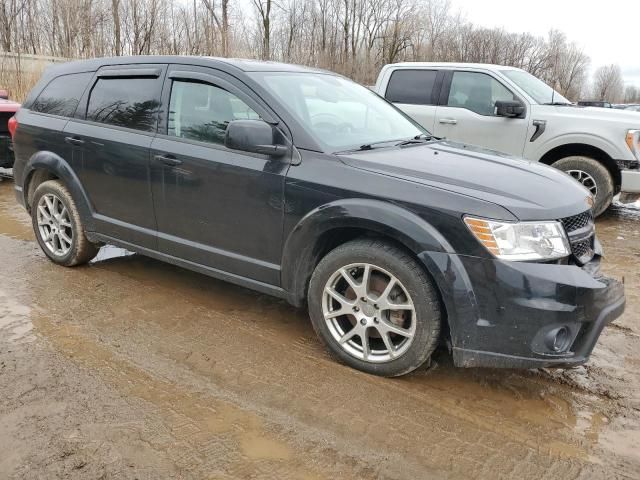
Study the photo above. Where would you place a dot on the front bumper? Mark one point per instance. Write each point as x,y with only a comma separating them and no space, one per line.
630,181
502,314
629,176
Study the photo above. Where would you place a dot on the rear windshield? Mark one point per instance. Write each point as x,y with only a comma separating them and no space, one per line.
62,94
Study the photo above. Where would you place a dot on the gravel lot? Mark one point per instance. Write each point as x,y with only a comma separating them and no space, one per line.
131,368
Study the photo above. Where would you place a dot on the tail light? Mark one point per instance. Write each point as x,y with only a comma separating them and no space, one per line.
13,125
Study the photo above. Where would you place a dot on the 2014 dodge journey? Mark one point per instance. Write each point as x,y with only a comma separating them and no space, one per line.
304,185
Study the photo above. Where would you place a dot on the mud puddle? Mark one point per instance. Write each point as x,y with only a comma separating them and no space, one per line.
14,222
221,382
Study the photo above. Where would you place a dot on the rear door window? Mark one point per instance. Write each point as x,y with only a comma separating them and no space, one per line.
415,87
62,94
126,102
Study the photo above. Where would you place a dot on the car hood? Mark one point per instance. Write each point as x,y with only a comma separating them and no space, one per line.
627,119
529,190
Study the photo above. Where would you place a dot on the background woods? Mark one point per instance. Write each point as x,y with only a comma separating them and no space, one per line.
352,37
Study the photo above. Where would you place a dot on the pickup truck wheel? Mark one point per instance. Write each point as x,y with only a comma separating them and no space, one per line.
58,226
375,308
594,176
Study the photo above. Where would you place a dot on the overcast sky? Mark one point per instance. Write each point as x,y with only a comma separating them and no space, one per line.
609,31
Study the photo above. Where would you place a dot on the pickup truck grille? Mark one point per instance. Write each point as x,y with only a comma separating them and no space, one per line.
581,232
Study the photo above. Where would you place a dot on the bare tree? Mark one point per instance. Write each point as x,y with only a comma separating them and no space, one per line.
9,12
353,37
263,9
631,94
608,84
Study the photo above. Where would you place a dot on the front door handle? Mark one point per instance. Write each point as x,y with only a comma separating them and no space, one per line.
74,140
168,160
448,121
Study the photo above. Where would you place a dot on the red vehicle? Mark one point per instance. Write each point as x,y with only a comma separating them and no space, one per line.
8,108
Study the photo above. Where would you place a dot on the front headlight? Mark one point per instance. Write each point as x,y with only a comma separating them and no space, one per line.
521,241
633,142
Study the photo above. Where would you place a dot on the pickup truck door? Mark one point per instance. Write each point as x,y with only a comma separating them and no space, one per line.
214,206
467,113
416,93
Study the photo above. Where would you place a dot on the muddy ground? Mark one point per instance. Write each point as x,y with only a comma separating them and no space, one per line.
131,368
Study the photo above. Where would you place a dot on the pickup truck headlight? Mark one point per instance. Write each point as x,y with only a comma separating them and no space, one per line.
521,241
633,142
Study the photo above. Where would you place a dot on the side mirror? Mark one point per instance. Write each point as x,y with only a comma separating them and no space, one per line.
4,94
511,109
255,136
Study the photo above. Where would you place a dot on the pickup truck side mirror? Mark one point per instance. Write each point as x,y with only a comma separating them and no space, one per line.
511,109
255,136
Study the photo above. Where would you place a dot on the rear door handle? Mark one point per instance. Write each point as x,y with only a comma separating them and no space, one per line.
74,140
448,121
168,160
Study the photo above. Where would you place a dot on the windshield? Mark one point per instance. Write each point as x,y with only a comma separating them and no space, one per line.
534,87
339,113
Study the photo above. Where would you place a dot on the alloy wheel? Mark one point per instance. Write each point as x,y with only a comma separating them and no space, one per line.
585,179
54,225
369,313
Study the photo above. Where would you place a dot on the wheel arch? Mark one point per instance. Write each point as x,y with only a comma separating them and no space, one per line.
331,225
584,150
44,166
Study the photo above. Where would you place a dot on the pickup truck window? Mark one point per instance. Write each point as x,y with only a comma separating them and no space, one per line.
477,92
125,102
534,87
199,111
340,113
414,87
61,95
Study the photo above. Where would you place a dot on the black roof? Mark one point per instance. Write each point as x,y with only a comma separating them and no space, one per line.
245,65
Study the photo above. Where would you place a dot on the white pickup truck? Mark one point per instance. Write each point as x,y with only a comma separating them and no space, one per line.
511,111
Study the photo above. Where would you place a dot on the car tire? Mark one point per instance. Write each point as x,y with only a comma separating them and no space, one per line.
412,332
58,227
593,175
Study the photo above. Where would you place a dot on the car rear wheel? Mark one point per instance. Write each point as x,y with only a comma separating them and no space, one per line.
594,176
58,227
375,308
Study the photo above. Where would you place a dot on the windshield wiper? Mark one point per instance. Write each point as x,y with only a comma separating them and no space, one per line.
418,139
559,104
367,146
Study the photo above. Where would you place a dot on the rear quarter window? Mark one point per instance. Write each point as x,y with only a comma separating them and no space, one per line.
414,87
62,94
126,102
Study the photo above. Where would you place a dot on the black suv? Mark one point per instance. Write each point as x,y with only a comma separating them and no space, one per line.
304,185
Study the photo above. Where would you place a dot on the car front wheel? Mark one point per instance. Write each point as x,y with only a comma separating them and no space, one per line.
375,308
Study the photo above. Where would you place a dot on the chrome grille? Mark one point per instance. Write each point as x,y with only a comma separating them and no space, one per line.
577,221
581,232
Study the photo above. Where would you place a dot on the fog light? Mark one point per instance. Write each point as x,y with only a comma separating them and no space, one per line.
558,339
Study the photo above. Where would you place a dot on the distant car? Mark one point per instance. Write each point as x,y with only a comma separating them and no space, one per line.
7,110
591,103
